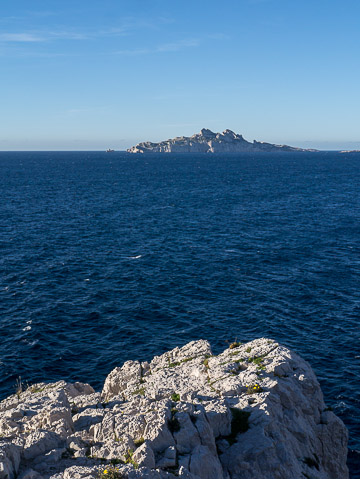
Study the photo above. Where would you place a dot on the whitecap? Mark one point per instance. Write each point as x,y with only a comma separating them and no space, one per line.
135,257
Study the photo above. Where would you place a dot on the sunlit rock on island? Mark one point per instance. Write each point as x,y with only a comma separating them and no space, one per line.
255,411
209,142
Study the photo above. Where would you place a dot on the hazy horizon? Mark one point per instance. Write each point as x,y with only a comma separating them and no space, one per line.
123,145
111,74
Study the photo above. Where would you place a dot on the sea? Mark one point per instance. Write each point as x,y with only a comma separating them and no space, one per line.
106,257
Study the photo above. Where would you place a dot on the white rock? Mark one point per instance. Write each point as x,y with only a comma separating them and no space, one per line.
205,464
168,459
38,443
9,460
86,418
78,389
187,438
255,411
144,456
157,431
219,417
78,472
205,433
121,379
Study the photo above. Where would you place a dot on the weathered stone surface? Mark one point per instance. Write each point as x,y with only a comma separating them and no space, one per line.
122,380
205,464
78,389
9,460
255,411
144,456
30,474
38,443
78,472
209,142
87,418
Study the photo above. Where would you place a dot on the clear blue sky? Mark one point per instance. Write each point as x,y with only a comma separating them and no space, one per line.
92,74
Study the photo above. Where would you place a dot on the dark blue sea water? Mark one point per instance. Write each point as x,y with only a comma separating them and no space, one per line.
109,257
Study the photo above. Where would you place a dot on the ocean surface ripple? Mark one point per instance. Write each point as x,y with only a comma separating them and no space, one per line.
110,257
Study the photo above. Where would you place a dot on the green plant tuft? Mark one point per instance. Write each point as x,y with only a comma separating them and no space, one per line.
34,389
139,442
140,391
129,459
259,361
172,365
175,397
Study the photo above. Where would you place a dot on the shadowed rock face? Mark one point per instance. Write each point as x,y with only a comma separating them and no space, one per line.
209,142
255,411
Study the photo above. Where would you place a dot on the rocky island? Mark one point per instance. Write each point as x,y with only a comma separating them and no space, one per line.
209,142
255,411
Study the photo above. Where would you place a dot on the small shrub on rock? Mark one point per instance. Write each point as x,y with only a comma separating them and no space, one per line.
110,472
139,442
254,388
129,459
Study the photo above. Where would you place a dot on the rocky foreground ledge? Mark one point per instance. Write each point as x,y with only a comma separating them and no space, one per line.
255,411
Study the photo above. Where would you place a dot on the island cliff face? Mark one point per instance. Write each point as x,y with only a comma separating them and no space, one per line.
209,142
255,411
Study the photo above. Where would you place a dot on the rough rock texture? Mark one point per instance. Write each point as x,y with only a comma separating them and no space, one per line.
209,142
255,411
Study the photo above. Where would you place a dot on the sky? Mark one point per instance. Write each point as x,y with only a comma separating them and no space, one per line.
94,74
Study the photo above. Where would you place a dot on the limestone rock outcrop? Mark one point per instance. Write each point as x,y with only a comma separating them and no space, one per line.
209,142
255,411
